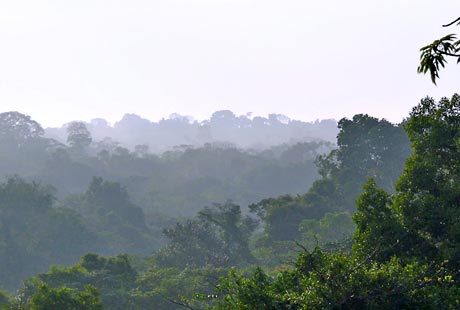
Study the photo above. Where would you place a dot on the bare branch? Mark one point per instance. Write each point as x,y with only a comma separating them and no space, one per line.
450,24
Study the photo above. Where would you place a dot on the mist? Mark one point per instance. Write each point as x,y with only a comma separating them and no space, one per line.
229,155
241,131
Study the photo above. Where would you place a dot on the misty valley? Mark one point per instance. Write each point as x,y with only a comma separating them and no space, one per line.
231,213
310,159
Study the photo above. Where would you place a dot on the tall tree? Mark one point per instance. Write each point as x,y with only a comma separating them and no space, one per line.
18,127
428,192
78,136
367,148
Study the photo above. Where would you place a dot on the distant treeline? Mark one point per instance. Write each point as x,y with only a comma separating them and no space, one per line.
223,126
176,182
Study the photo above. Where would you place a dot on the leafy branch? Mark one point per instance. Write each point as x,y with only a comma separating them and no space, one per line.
432,56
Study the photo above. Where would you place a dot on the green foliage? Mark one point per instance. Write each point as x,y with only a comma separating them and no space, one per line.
405,252
367,147
119,224
217,237
113,277
255,292
119,286
433,56
333,228
34,235
16,193
378,230
429,190
380,234
281,217
4,300
337,281
48,298
174,289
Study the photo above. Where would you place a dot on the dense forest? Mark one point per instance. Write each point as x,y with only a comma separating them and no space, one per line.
234,212
368,222
82,194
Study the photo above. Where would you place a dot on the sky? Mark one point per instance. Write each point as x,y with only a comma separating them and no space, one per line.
65,60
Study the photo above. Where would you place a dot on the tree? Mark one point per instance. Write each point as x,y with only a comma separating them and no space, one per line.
216,237
78,136
23,149
380,234
367,148
18,127
281,217
233,228
177,289
111,199
333,228
428,192
433,56
337,281
34,234
49,298
111,278
107,210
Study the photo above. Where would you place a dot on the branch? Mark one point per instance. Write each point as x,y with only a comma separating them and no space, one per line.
450,24
182,304
303,247
445,53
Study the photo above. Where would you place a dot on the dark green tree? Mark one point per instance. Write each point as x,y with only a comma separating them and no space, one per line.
112,278
48,298
428,192
336,281
367,148
281,217
380,234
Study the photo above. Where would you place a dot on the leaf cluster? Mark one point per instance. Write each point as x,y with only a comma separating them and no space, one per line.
433,56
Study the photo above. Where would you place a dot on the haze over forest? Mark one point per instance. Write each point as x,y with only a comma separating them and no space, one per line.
242,131
359,209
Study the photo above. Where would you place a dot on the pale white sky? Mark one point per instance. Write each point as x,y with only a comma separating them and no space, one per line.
63,60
